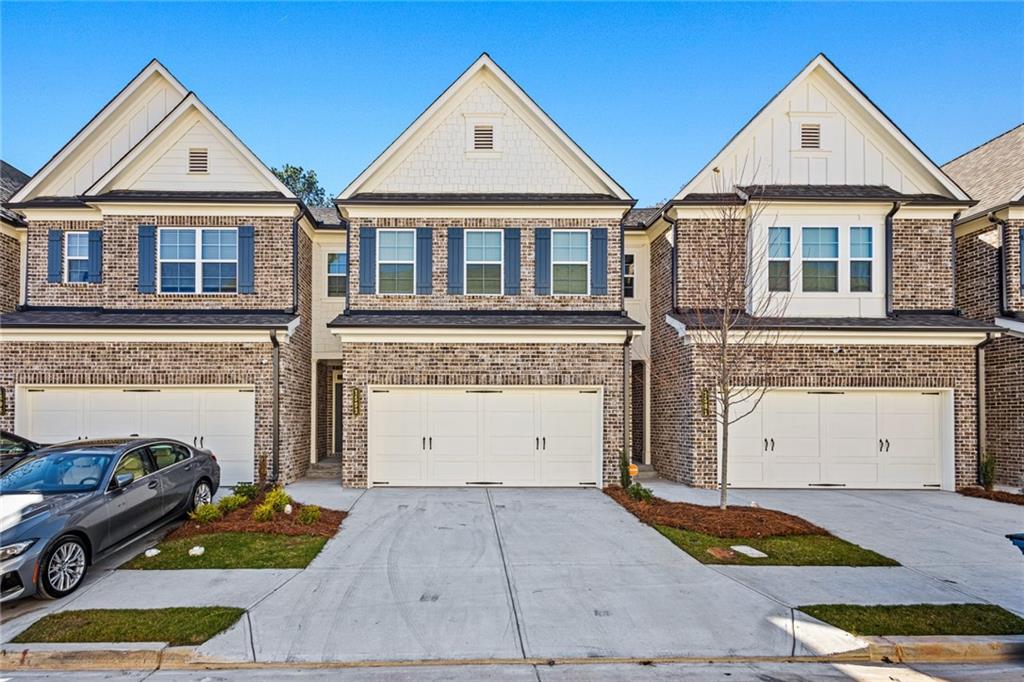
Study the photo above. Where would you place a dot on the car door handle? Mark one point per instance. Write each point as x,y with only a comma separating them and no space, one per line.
187,467
153,485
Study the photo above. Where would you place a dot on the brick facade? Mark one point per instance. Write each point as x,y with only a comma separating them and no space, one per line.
977,274
440,299
10,272
636,412
119,288
922,265
1004,408
711,250
444,364
1014,278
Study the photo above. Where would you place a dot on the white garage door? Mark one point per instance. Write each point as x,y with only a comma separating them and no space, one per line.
857,439
467,436
221,419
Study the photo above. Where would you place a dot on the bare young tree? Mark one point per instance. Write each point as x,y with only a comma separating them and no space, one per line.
732,319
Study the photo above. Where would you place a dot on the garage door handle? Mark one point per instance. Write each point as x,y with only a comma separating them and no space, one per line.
544,443
773,444
424,446
430,443
880,446
766,445
195,440
537,444
887,445
201,439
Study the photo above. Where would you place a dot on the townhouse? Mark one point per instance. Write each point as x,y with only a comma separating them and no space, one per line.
990,287
485,306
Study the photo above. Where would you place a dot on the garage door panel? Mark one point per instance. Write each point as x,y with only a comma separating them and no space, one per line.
114,414
50,416
786,471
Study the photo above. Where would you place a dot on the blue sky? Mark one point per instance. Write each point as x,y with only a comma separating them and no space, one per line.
651,91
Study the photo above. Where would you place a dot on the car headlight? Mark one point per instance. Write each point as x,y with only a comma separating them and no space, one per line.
14,549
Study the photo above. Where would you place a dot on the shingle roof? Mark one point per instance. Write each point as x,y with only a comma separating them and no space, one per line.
58,318
478,198
844,192
638,218
11,180
908,321
485,319
992,173
326,215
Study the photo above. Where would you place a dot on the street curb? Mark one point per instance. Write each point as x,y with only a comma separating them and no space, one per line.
948,649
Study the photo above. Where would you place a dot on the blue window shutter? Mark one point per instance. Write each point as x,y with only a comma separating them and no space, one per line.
54,256
542,261
512,261
367,260
147,259
96,256
424,259
599,261
246,259
456,260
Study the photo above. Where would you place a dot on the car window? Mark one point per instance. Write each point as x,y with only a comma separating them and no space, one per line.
61,472
9,446
133,463
166,454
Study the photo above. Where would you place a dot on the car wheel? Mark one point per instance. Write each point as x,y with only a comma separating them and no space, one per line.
62,568
201,494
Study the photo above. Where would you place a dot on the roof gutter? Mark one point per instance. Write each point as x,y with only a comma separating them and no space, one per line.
1002,267
896,205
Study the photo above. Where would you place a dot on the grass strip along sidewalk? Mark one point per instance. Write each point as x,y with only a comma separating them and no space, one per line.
176,626
919,619
707,534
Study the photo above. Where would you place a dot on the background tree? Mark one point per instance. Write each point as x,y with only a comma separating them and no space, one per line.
303,183
735,307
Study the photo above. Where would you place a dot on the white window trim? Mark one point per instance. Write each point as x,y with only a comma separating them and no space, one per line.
466,262
838,260
380,261
625,275
68,258
787,259
198,261
870,259
554,262
328,274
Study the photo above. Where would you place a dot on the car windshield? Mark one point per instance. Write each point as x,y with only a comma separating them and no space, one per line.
63,472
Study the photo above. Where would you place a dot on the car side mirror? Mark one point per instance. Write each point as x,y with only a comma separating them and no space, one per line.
123,480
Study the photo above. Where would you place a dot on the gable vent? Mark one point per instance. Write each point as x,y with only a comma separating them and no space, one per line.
810,136
483,137
198,160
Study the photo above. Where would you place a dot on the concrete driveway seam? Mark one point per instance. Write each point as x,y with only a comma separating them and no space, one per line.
508,579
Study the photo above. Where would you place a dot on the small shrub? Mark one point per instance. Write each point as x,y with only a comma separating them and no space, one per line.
624,478
277,499
231,503
309,514
263,513
205,513
640,493
247,490
987,473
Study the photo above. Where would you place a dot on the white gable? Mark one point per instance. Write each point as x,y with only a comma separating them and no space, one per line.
531,153
118,127
858,144
161,161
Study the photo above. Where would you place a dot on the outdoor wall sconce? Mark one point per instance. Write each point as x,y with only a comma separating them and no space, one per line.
357,402
705,402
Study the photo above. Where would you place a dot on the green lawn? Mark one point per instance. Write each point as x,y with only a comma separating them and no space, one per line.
919,619
791,550
234,550
179,626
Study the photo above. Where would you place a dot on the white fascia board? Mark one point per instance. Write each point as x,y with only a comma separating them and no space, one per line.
477,335
539,210
90,335
841,338
183,208
1014,327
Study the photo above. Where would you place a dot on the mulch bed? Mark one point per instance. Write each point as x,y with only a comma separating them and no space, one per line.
734,522
241,521
994,495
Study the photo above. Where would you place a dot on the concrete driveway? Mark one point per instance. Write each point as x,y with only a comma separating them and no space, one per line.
505,574
952,548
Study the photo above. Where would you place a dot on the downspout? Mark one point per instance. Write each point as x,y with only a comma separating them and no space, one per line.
626,403
348,265
295,265
1002,269
888,256
622,268
979,403
675,265
275,396
952,240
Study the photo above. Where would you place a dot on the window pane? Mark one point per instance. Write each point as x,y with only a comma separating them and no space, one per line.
821,276
627,276
132,464
178,277
778,242
483,279
569,279
860,242
778,275
395,245
821,242
219,277
337,263
860,275
220,244
78,270
165,454
337,285
178,244
395,278
78,245
570,246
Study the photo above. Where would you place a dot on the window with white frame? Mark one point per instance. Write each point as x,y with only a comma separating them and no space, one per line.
337,274
396,261
779,253
76,256
198,260
861,254
820,266
570,262
484,261
629,276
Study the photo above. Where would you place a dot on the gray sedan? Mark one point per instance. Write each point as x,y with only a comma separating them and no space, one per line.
68,505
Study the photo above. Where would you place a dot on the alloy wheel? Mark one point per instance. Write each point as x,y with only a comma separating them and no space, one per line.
203,494
67,566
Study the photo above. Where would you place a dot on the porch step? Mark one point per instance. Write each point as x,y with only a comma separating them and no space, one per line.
328,467
646,472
